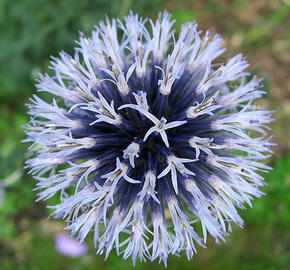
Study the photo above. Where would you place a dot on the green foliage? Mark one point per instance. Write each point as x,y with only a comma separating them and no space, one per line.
261,33
275,207
182,16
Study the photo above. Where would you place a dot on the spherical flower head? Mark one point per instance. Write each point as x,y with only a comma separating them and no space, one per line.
149,138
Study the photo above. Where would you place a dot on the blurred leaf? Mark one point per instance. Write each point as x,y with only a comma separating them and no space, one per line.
267,26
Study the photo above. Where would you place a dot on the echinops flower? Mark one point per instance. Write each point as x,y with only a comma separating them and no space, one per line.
150,143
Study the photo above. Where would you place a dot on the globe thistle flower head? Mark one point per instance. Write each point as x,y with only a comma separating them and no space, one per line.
147,138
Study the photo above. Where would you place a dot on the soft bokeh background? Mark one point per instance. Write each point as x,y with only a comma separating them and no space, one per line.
32,30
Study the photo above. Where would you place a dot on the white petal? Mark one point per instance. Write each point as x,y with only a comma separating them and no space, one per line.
164,172
164,138
149,115
127,178
174,179
174,124
149,132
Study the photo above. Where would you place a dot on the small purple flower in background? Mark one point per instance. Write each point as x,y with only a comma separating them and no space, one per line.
148,136
68,246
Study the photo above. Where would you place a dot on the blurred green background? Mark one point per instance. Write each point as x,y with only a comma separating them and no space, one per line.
32,30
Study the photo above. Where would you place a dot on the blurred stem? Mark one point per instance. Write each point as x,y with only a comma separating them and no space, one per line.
12,178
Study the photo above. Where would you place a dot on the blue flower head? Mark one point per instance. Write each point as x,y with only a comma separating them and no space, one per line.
148,137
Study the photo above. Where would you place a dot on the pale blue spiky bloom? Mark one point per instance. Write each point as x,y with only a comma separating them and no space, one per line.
150,136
